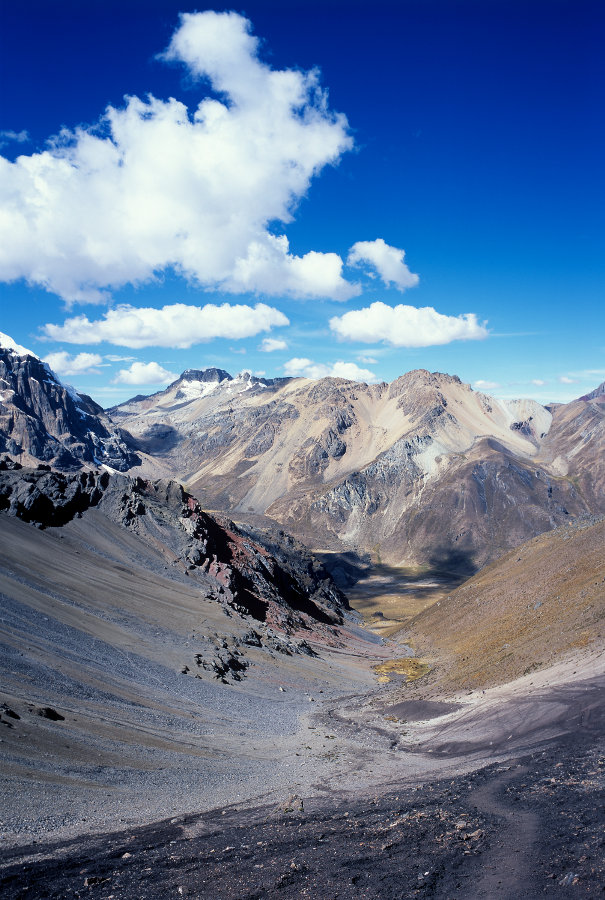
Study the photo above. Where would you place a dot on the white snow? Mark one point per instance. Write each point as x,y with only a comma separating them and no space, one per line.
73,394
191,390
9,344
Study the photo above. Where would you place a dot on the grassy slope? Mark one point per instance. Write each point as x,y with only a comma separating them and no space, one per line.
536,603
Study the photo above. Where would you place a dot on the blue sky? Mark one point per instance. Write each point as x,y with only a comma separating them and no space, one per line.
364,189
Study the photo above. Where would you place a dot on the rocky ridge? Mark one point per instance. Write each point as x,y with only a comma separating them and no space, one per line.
424,466
284,592
43,419
598,394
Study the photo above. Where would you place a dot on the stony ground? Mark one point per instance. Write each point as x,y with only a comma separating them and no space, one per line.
124,776
524,828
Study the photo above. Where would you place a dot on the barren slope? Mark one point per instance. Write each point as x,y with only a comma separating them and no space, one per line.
522,613
136,681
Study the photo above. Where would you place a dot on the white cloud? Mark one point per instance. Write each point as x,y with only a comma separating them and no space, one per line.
539,382
565,379
300,366
62,363
589,373
386,260
268,345
406,326
482,385
154,186
144,373
18,137
176,325
112,357
368,360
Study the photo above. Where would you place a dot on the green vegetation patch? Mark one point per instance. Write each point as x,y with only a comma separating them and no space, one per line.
412,668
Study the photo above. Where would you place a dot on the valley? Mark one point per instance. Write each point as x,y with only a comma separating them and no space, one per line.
303,631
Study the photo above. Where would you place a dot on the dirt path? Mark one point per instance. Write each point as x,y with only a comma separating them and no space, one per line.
505,870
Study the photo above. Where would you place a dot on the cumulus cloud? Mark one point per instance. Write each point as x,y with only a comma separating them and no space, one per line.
482,385
368,360
300,366
387,261
565,379
62,363
406,326
144,373
539,382
156,186
176,325
268,345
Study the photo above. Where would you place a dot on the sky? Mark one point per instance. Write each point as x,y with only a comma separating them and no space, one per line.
305,188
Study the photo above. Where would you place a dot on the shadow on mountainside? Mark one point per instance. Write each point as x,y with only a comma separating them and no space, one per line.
389,596
449,565
451,562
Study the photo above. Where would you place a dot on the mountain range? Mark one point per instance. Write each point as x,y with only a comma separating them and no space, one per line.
170,644
424,471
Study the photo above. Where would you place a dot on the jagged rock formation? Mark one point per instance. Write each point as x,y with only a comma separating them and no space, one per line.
42,419
597,395
422,469
286,590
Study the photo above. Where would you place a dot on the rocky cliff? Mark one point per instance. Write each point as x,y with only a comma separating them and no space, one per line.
43,419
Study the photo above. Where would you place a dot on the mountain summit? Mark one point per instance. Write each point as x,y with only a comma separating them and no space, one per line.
43,419
421,469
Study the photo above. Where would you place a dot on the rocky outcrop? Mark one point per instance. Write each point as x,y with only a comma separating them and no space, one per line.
42,419
598,395
270,578
48,498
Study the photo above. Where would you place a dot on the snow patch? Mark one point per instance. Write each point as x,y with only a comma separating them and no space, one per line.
9,344
192,390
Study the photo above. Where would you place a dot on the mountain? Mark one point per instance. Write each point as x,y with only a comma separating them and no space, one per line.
526,611
269,578
420,471
598,394
43,419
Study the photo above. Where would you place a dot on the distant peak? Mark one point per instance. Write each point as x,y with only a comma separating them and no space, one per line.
423,376
598,394
211,374
7,343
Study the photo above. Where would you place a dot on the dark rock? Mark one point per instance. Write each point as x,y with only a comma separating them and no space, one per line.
41,417
47,712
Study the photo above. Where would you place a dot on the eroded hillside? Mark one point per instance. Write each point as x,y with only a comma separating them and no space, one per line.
420,467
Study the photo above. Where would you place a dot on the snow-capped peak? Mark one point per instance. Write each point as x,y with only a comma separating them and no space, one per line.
9,344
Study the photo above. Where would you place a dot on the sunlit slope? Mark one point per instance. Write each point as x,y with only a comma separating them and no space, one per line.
537,603
419,468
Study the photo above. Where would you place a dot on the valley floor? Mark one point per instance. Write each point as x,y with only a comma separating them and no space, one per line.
496,795
308,778
524,828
